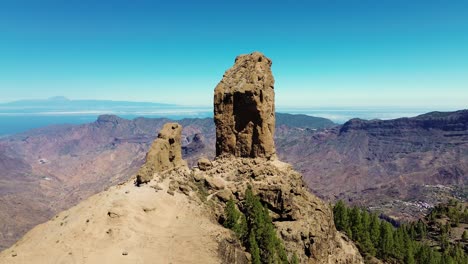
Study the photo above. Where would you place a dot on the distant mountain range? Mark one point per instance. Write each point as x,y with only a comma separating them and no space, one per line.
399,167
20,116
60,103
46,170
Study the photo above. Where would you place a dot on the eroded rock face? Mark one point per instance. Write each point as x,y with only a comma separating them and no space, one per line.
165,153
302,220
244,109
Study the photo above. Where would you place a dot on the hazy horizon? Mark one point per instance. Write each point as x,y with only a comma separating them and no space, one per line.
20,116
324,53
210,104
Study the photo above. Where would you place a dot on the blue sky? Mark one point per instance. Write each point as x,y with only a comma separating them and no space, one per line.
325,52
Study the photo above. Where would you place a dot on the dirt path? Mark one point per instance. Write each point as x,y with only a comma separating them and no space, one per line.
125,224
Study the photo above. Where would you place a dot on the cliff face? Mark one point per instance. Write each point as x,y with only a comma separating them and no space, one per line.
245,120
400,167
449,122
244,109
303,221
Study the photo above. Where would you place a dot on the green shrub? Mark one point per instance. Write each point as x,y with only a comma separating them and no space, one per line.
254,227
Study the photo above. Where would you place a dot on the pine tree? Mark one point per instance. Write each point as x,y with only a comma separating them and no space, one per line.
386,240
375,230
254,250
232,215
235,220
405,244
409,254
398,244
421,230
356,223
262,233
367,242
340,215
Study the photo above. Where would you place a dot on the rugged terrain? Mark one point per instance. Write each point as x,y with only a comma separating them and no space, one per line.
129,223
47,170
174,218
61,165
401,167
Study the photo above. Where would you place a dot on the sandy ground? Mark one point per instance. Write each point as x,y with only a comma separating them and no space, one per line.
125,224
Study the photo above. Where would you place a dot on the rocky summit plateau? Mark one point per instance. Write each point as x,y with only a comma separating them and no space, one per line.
169,213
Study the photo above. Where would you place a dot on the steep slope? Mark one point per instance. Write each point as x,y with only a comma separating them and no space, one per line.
61,165
303,121
124,224
400,166
48,170
174,218
130,223
303,221
362,164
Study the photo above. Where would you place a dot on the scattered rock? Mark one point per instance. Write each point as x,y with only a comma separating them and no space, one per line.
156,187
244,109
173,185
146,210
185,189
245,121
215,182
224,195
197,176
303,221
230,251
204,164
112,214
125,253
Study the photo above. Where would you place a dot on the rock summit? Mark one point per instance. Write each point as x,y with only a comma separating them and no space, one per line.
244,109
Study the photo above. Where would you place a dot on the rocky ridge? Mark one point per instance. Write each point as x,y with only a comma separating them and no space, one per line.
48,170
399,167
302,221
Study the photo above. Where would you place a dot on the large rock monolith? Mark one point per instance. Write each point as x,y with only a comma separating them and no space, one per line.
165,153
244,109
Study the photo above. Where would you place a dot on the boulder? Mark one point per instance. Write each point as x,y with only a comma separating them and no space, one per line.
204,164
215,182
244,109
165,153
224,195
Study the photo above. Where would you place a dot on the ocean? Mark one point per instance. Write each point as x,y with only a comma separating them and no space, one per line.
21,121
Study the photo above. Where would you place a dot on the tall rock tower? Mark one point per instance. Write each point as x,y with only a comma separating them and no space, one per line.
244,109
